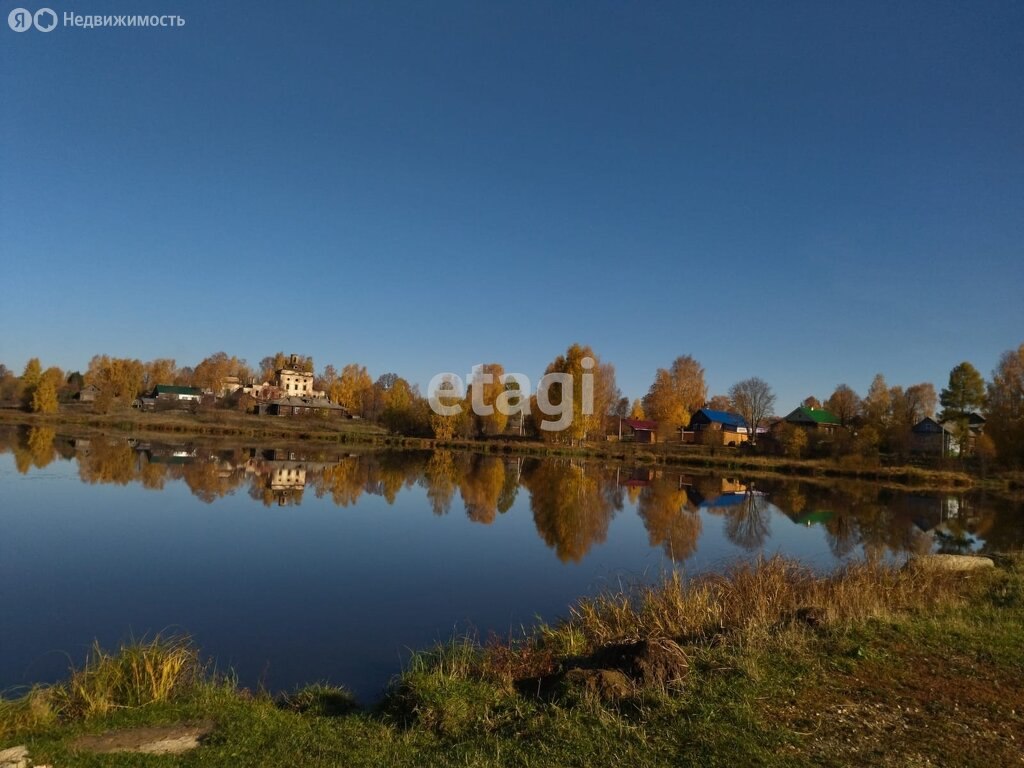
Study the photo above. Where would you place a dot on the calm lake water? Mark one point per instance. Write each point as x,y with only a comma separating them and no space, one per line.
293,566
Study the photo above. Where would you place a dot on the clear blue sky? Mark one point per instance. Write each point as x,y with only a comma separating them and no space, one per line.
810,193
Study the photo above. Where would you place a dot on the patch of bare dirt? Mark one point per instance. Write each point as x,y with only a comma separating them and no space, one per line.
922,710
153,740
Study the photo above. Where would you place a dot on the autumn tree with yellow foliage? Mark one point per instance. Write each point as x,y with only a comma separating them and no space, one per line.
160,371
446,426
600,390
211,373
483,393
44,397
30,379
117,377
675,394
39,388
353,389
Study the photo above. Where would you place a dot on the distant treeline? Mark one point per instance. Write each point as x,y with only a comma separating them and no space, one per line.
878,421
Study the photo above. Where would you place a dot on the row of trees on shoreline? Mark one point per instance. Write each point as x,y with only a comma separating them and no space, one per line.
878,421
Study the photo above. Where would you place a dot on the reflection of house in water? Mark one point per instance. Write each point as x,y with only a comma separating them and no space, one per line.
929,512
733,486
720,493
816,517
722,502
287,478
159,453
282,474
637,478
951,521
179,456
746,511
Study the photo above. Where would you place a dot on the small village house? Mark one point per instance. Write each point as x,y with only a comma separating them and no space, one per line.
169,397
705,423
294,381
263,392
292,394
931,436
300,406
642,430
937,438
228,386
174,393
88,394
813,419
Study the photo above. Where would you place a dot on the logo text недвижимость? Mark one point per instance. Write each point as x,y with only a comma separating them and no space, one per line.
46,20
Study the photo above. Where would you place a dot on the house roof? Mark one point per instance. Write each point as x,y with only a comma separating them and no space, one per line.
724,500
724,417
817,415
641,424
928,424
172,389
308,402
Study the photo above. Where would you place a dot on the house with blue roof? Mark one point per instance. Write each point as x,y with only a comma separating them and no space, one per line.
705,422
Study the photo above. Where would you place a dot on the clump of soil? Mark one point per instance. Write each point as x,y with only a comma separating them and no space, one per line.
615,672
654,663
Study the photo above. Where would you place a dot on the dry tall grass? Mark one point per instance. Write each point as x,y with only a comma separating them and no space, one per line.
749,604
752,600
138,673
33,710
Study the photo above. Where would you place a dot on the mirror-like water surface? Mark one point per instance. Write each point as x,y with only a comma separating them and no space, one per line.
296,565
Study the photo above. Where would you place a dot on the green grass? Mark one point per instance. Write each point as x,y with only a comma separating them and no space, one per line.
893,668
207,423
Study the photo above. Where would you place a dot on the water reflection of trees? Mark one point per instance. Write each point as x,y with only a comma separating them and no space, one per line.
345,481
40,446
383,474
672,520
440,478
749,523
571,506
880,520
107,461
33,447
572,502
747,512
482,482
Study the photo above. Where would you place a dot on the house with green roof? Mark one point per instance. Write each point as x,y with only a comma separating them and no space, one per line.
814,419
174,392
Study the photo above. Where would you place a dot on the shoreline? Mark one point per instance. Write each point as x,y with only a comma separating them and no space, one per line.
227,426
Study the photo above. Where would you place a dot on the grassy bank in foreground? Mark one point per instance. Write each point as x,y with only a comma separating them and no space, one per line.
767,665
